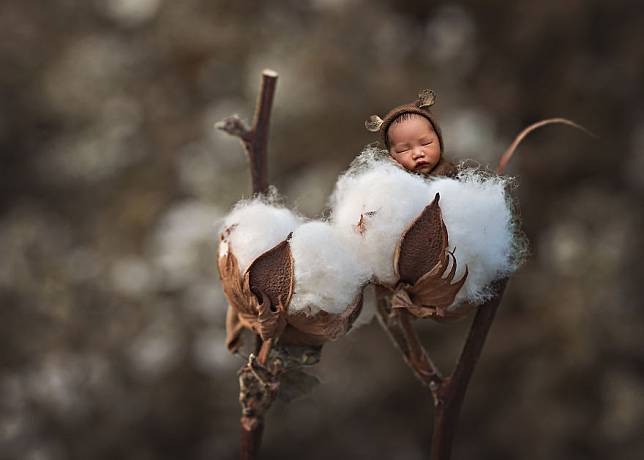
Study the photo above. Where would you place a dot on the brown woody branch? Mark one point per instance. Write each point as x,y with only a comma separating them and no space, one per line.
449,397
448,393
255,139
255,143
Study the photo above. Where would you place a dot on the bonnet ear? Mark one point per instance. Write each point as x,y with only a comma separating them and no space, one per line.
426,98
373,124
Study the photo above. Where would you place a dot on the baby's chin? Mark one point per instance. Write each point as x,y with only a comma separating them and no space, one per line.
424,169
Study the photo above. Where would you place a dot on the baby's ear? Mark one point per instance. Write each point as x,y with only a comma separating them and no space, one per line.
426,98
373,123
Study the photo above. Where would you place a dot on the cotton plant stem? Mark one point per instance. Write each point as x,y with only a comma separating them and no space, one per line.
448,393
398,326
255,143
452,390
424,366
251,442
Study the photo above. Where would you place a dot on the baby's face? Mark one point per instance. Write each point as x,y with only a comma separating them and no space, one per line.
414,144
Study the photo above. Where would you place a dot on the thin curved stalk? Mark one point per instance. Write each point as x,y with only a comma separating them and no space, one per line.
505,158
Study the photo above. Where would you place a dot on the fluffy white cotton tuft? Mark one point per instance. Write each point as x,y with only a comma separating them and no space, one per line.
255,226
388,198
328,275
476,209
369,308
482,230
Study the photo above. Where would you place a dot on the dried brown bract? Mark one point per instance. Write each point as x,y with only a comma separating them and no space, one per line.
426,288
260,296
259,299
361,226
316,329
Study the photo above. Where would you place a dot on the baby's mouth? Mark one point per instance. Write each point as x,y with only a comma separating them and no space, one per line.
421,164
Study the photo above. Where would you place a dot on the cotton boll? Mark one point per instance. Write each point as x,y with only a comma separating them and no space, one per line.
388,198
254,227
328,275
478,216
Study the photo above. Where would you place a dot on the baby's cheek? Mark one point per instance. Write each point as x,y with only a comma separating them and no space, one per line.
409,162
436,155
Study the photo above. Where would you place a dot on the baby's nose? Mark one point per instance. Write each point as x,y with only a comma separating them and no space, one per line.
418,153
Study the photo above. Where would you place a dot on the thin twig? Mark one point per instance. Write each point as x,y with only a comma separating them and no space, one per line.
255,143
398,326
264,350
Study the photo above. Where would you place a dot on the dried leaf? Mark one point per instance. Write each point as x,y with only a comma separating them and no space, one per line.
286,357
295,384
258,387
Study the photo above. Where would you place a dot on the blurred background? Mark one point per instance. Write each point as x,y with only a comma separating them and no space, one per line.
113,181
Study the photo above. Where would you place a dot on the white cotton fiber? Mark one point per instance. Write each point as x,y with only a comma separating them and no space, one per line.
369,308
255,227
482,231
327,273
476,209
389,198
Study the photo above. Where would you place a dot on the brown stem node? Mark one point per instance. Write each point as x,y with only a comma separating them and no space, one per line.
234,126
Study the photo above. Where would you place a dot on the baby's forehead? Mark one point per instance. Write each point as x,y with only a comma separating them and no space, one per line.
405,116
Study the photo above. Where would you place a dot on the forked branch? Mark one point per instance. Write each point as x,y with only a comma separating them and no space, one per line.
255,138
448,393
397,324
255,143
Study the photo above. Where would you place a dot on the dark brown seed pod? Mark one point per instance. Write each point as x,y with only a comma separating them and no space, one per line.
421,261
422,245
260,296
272,274
259,300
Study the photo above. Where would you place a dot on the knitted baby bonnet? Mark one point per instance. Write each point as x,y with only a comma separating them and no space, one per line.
426,98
